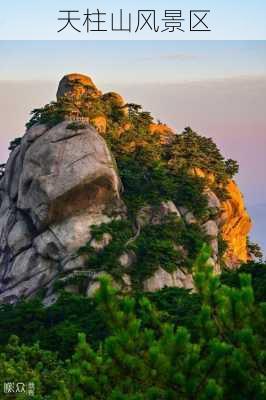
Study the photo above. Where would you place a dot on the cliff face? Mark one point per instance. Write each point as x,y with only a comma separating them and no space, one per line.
62,180
235,226
57,184
234,222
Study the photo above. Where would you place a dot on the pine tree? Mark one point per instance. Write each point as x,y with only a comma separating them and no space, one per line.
145,358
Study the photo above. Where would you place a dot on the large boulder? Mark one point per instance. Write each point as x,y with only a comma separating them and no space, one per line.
58,183
65,172
77,85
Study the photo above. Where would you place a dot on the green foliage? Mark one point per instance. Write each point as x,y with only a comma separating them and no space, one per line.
14,143
231,167
152,172
31,365
178,306
257,272
76,126
222,247
86,106
169,244
137,116
218,354
50,115
146,358
190,151
107,259
154,183
78,279
114,112
254,250
56,327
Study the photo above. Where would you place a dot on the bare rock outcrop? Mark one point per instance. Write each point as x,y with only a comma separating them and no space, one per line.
76,86
233,221
235,226
57,184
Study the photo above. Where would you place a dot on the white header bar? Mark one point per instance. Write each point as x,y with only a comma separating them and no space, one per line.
128,20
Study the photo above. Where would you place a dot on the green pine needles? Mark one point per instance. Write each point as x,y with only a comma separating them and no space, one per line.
143,357
161,244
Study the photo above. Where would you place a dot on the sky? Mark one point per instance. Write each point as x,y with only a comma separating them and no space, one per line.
218,88
132,62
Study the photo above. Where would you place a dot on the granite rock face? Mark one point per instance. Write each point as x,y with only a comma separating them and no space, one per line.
57,184
233,221
162,279
235,226
62,180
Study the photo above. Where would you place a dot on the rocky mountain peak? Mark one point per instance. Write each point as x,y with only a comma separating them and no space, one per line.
76,85
96,185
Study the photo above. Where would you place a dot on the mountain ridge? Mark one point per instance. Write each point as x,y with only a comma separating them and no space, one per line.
96,173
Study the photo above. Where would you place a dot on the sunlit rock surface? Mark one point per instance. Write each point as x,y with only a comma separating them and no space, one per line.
62,180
